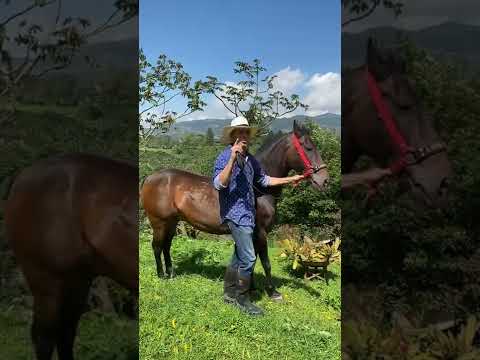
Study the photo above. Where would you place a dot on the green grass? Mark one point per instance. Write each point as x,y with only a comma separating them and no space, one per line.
185,318
100,336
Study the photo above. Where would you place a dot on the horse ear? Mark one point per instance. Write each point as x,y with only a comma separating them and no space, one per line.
371,52
378,61
297,128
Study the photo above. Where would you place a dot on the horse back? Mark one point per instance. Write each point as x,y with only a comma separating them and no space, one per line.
61,211
181,195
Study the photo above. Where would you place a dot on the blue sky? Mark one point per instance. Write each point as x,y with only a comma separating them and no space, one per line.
301,39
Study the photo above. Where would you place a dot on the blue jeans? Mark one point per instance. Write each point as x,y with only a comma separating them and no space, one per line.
243,257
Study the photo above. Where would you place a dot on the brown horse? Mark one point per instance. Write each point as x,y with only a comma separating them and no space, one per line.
69,219
171,195
364,128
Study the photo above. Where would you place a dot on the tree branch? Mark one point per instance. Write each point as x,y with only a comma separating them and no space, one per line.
288,112
23,12
368,13
223,102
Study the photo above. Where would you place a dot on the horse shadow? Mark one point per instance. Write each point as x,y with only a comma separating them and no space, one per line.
198,263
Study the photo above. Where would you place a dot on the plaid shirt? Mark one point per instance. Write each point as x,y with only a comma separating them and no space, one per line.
237,200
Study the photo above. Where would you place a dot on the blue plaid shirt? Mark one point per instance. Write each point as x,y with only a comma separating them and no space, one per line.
237,200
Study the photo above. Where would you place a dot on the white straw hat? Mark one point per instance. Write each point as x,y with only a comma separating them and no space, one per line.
239,122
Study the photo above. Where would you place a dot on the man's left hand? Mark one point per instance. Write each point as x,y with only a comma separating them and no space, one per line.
296,178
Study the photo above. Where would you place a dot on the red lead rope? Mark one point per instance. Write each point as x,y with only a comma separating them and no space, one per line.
387,118
308,170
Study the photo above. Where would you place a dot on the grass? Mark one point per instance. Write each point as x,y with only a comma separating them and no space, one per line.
100,336
185,318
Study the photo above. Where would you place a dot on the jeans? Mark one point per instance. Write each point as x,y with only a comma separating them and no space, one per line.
243,257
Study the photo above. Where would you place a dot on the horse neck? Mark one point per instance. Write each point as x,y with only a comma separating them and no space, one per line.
273,159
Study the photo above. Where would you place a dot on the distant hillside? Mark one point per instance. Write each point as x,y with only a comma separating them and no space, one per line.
330,121
109,56
457,42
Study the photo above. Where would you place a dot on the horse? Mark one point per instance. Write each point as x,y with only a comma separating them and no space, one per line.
383,118
69,219
170,195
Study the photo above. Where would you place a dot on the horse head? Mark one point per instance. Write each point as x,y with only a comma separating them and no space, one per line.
304,157
397,131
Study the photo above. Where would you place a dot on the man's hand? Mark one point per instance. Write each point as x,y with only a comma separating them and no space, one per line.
238,147
274,181
366,177
296,178
375,174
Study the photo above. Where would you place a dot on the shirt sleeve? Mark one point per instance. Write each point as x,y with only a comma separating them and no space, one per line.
259,174
217,184
220,164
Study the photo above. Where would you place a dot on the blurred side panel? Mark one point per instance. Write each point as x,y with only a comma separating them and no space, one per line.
410,123
69,179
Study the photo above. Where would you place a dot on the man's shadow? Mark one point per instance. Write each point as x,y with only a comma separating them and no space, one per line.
197,263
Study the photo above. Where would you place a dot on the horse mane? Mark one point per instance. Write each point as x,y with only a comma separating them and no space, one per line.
269,142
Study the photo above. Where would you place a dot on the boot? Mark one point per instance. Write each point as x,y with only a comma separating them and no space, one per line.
229,285
243,296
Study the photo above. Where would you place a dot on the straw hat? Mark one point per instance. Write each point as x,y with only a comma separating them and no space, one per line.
239,122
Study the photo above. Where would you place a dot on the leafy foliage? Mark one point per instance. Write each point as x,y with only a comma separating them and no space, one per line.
159,85
311,253
254,97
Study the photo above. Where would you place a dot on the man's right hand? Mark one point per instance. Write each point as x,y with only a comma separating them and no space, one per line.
238,147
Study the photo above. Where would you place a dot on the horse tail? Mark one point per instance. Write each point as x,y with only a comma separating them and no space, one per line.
5,187
142,181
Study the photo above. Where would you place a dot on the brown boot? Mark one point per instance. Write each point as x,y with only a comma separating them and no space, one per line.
230,285
243,296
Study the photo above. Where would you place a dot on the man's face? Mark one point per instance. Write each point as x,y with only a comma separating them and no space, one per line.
241,134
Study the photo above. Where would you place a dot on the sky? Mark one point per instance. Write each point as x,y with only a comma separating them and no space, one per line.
421,14
298,41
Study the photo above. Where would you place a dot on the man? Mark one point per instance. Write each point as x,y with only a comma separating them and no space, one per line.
235,183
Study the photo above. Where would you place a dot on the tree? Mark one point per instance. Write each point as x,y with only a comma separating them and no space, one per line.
209,137
364,8
158,86
254,97
46,51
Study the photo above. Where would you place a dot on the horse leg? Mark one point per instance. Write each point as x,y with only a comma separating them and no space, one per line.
46,322
157,246
267,267
73,305
170,233
253,287
163,233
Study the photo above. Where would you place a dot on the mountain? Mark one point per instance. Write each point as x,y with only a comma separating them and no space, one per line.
328,120
449,41
110,56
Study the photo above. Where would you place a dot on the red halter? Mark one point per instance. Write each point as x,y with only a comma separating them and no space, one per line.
308,169
386,116
307,165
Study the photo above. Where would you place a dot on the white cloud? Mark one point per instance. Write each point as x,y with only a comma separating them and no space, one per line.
323,94
288,80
